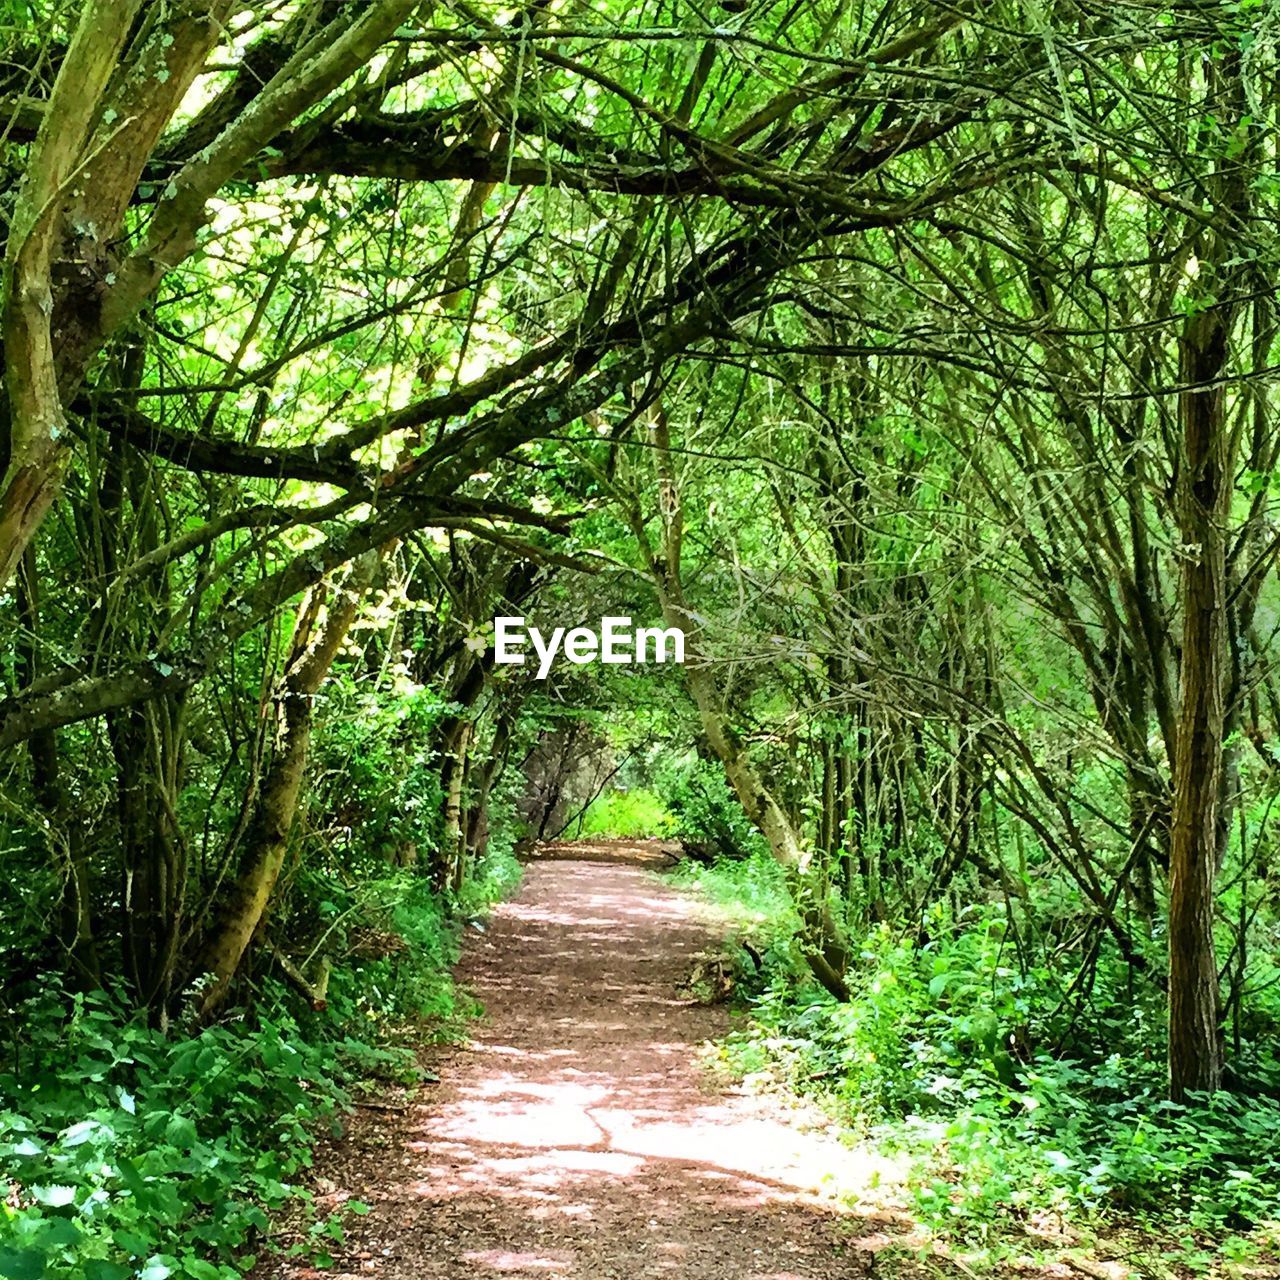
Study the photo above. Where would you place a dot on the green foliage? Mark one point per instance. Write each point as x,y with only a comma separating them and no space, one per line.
401,938
131,1153
1008,1095
631,814
374,772
706,812
752,896
919,372
1089,1136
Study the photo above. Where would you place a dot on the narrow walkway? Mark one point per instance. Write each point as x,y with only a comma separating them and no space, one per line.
576,1136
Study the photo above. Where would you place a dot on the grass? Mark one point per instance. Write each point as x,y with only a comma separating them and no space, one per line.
625,815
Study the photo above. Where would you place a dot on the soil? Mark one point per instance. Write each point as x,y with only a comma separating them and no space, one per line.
579,1134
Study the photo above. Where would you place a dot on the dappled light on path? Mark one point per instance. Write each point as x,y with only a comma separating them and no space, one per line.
577,1136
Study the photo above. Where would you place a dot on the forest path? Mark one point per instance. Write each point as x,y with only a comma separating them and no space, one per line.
576,1135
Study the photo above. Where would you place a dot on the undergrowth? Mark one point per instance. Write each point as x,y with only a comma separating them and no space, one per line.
1009,1098
129,1153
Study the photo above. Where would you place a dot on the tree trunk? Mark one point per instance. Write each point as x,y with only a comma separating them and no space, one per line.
488,773
1195,1055
1206,470
312,655
453,850
38,445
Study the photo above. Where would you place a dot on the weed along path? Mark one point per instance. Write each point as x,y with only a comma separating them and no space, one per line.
576,1135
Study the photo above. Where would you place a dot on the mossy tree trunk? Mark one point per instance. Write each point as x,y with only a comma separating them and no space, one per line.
322,625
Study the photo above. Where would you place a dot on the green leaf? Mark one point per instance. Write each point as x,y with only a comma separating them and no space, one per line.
99,1269
21,1264
358,1207
80,1133
181,1132
59,1233
130,1176
131,1242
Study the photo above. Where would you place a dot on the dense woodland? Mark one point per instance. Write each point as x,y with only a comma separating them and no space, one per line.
917,359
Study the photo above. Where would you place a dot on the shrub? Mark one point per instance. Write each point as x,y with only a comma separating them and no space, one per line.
706,812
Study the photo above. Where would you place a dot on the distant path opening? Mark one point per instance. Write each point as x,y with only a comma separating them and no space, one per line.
576,1135
639,853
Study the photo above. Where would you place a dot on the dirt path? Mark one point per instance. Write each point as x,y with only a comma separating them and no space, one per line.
576,1136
